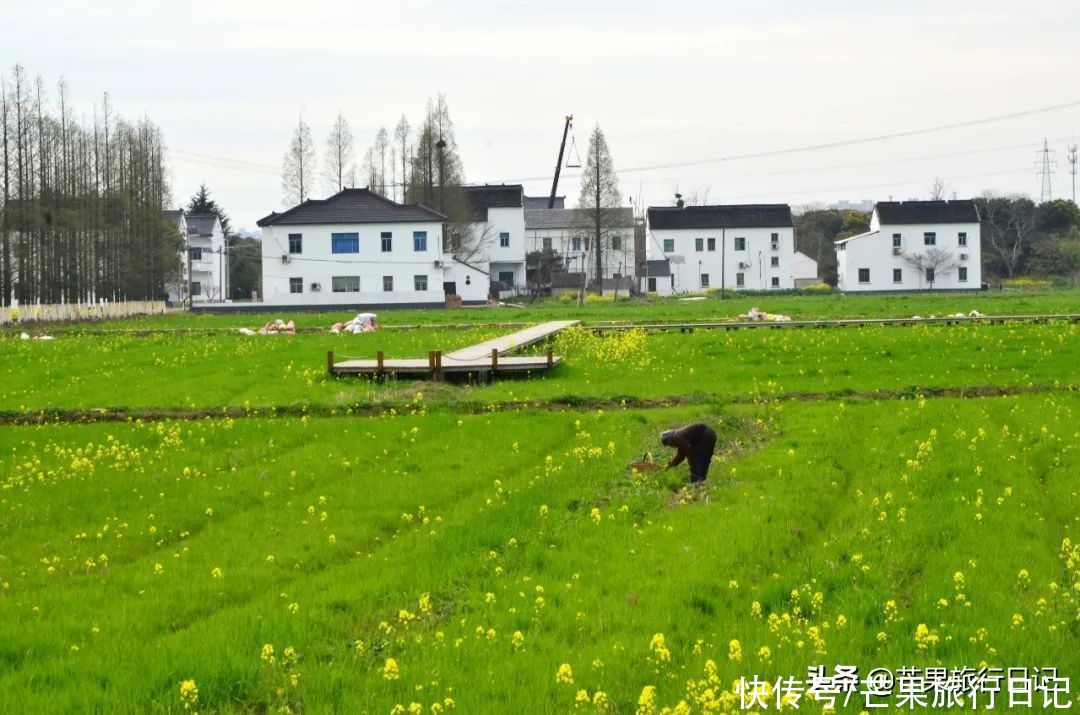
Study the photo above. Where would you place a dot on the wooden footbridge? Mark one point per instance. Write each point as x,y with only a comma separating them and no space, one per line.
484,359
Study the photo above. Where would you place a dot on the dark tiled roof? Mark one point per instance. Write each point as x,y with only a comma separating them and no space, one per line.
201,224
493,196
900,212
658,269
572,218
732,216
541,202
351,206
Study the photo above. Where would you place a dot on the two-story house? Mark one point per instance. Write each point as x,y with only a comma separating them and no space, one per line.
567,233
914,245
737,247
359,249
204,264
498,234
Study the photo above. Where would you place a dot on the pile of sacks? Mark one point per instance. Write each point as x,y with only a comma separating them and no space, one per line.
758,315
274,327
362,323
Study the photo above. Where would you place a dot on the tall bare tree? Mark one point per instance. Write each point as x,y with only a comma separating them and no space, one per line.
1010,228
598,199
298,166
939,189
401,141
340,170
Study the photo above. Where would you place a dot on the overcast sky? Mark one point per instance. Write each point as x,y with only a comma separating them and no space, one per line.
668,82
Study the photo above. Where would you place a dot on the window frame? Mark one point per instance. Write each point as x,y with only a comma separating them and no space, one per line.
699,245
504,239
860,276
961,274
299,247
740,243
195,252
774,282
669,245
388,284
386,241
419,241
961,238
616,243
740,280
334,286
710,244
506,273
296,285
774,261
575,244
704,280
416,282
929,238
196,288
897,240
930,275
898,275
341,241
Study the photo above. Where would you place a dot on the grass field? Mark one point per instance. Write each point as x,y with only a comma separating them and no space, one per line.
485,549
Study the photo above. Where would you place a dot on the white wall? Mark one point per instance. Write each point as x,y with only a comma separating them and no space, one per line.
757,258
470,282
317,264
510,258
874,250
562,242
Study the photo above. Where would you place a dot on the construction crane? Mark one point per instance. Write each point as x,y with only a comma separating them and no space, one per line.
558,162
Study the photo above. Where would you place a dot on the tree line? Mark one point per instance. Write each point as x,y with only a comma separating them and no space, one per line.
81,201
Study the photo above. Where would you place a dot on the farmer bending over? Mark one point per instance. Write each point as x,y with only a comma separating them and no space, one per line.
695,443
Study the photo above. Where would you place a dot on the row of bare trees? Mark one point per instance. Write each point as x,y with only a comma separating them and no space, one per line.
81,201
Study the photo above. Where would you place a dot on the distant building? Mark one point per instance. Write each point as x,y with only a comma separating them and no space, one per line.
913,245
565,232
541,202
359,249
498,213
205,254
738,247
860,205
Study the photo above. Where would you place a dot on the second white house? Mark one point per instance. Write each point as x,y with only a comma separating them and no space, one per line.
360,249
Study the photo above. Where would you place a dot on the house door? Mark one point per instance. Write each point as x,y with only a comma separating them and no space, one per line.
449,287
652,285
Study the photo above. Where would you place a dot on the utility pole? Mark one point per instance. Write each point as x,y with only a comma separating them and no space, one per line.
1045,165
1072,169
723,257
187,245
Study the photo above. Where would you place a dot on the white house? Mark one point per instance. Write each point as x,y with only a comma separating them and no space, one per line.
206,256
498,213
565,232
737,247
359,249
913,245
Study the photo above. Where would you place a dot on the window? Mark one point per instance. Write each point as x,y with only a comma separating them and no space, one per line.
575,244
929,275
506,277
296,243
712,244
775,262
775,239
504,240
864,275
896,240
699,244
345,243
616,243
296,285
196,254
345,284
961,239
740,280
929,238
961,274
704,280
419,244
388,284
897,275
386,238
740,243
547,243
669,245
420,283
776,281
196,288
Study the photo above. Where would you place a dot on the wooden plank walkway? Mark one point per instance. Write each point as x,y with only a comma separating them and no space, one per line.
483,359
513,341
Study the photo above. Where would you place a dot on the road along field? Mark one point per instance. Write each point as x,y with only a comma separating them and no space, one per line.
881,497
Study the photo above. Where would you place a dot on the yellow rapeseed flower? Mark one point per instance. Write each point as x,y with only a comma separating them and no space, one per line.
565,675
390,670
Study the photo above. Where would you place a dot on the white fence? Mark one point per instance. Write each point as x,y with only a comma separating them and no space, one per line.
103,310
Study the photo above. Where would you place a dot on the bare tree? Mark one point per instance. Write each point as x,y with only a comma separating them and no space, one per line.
379,156
933,264
401,140
939,189
698,196
598,199
1010,223
340,169
298,167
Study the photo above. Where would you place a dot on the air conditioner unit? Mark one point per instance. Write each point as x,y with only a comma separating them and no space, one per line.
316,287
776,246
963,256
897,250
438,263
743,264
284,257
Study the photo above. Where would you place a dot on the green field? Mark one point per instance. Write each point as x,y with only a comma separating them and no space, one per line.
882,496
